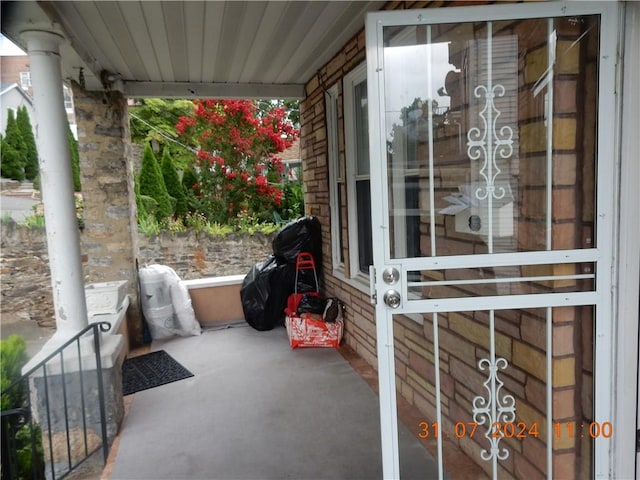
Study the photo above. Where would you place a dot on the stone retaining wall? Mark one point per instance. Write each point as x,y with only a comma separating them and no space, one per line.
26,281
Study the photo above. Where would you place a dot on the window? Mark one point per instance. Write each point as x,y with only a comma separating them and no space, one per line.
25,80
349,184
68,100
357,166
336,181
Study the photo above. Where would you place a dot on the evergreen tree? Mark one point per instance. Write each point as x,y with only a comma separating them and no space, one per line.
172,182
10,162
13,151
75,160
31,151
152,184
190,185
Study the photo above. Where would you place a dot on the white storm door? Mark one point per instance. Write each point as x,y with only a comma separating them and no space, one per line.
491,138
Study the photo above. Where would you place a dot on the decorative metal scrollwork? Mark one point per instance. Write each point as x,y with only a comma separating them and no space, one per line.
494,410
489,143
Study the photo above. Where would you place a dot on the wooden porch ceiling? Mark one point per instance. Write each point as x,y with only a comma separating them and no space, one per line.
193,48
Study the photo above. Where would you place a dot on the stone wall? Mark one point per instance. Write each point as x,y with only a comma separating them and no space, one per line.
25,286
197,255
26,280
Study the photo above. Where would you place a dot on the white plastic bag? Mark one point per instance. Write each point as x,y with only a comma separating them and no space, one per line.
166,303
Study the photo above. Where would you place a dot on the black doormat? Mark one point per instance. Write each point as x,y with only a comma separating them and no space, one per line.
151,370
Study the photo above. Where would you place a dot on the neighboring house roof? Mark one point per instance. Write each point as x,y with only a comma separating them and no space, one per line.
12,97
7,87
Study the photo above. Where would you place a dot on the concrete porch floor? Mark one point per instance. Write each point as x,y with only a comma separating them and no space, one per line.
256,409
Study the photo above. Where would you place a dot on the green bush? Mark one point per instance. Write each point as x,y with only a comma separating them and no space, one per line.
75,160
152,185
14,150
191,190
13,357
174,187
292,205
31,151
148,204
148,225
11,162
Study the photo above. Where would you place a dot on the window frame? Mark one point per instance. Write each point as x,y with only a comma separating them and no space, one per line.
336,179
25,80
355,77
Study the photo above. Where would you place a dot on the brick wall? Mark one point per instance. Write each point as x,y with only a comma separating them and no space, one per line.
10,68
464,337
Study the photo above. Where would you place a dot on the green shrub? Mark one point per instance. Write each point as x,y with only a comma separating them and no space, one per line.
218,230
13,154
292,205
148,204
31,151
75,160
11,162
34,221
13,357
174,187
152,185
192,191
148,225
28,465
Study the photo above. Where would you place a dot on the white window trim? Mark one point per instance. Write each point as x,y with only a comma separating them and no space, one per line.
358,279
333,154
68,93
25,80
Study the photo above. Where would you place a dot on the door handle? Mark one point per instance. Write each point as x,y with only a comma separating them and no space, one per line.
392,298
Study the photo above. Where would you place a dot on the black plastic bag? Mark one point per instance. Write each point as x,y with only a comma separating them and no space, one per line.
281,280
255,293
301,235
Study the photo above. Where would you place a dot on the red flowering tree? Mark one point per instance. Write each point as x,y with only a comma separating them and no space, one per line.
237,167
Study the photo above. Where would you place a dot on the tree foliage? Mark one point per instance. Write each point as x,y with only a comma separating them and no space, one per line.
13,356
153,120
291,107
13,153
238,169
31,151
152,185
75,160
172,182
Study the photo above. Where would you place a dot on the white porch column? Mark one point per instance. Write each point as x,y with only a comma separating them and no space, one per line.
56,183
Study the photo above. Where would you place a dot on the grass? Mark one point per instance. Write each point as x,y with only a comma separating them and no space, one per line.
35,221
149,226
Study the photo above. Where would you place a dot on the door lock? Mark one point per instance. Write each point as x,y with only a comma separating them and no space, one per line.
392,298
390,275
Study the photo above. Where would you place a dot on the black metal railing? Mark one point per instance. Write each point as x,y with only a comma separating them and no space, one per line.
68,428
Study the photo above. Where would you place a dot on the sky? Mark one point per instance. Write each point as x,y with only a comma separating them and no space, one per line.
8,48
